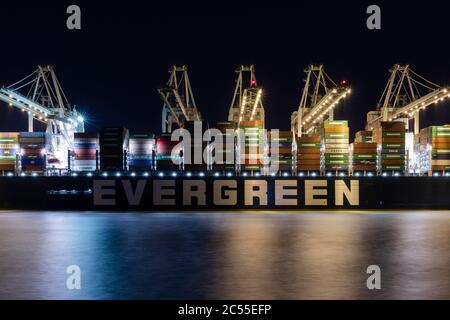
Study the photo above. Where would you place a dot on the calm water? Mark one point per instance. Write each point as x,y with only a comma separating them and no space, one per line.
224,256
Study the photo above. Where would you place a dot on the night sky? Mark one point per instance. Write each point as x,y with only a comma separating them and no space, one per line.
111,69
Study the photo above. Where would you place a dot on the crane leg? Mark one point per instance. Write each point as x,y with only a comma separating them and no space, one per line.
30,123
416,123
331,115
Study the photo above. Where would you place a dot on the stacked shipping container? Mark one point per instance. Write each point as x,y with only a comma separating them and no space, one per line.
113,148
198,159
9,149
434,149
335,146
252,143
33,148
364,136
225,152
308,154
280,149
168,153
85,151
141,152
363,157
390,137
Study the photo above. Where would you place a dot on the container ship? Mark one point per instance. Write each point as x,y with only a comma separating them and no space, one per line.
234,164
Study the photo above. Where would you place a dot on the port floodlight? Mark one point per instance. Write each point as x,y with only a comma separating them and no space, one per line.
10,174
161,174
133,174
329,174
145,174
174,174
105,174
201,174
216,174
189,174
229,174
74,174
89,174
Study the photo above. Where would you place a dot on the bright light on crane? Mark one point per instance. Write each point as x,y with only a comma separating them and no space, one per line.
258,98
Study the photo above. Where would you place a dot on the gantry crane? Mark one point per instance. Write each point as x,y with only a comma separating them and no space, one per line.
319,97
247,99
41,96
406,93
179,103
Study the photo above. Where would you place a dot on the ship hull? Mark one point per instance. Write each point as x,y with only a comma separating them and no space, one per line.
213,193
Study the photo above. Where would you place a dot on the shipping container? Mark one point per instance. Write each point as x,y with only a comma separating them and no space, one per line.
142,151
114,143
85,152
334,147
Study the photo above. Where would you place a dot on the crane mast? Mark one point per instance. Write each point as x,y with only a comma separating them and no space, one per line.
41,96
405,95
179,103
246,104
319,97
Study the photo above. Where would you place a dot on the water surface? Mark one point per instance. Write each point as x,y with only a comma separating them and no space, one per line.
321,255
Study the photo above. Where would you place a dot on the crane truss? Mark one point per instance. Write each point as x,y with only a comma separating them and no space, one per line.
41,96
179,103
320,96
405,95
247,102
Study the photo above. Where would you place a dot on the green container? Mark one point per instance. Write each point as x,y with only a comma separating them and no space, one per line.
365,156
393,168
342,156
340,123
393,156
308,145
336,136
388,134
393,145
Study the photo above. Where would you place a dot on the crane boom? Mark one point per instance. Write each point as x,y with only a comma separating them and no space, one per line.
319,97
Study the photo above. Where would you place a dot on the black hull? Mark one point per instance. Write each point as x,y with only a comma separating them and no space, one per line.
102,193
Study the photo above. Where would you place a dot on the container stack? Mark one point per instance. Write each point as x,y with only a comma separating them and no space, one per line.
335,147
364,136
390,137
225,152
308,154
141,152
33,148
251,155
85,151
9,148
113,148
198,148
165,158
435,150
363,157
280,150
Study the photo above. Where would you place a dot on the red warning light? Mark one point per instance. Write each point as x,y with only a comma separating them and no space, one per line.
253,83
344,82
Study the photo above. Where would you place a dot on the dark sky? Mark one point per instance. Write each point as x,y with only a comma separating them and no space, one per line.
112,68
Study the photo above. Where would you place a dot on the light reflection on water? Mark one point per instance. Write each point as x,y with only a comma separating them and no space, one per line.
224,256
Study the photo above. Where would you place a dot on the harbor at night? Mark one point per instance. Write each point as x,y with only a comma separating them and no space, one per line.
224,160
